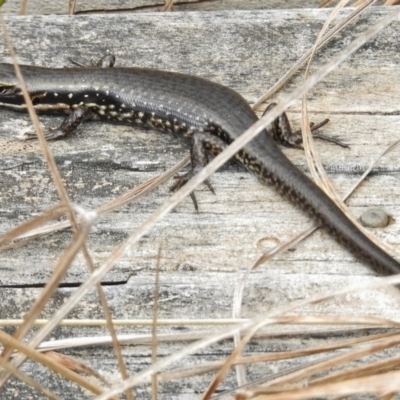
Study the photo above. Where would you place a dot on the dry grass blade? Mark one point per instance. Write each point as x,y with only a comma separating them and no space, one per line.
298,238
157,366
359,3
71,7
168,5
116,203
270,377
332,362
315,166
130,322
143,376
75,365
192,184
376,367
325,3
24,5
48,215
304,372
132,339
373,164
276,356
33,354
387,396
238,295
143,189
65,200
285,78
154,340
28,380
313,159
282,247
126,198
55,174
379,384
145,339
226,334
295,240
230,361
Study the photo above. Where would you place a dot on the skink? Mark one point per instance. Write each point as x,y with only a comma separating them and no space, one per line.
212,114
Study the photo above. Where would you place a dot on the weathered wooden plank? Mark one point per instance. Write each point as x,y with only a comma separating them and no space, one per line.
111,150
61,6
204,253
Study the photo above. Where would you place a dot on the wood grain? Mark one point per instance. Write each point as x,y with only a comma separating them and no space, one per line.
204,253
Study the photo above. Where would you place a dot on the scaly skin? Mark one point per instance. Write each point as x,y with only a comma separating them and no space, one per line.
212,114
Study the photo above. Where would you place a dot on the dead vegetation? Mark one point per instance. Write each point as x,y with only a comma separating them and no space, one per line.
336,371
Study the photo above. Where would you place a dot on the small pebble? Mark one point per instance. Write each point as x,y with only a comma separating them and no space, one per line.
374,218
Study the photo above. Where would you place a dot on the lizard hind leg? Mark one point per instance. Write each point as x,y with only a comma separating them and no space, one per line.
201,144
281,131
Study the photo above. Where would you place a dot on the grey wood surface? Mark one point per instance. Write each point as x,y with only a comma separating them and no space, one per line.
204,253
61,6
84,6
